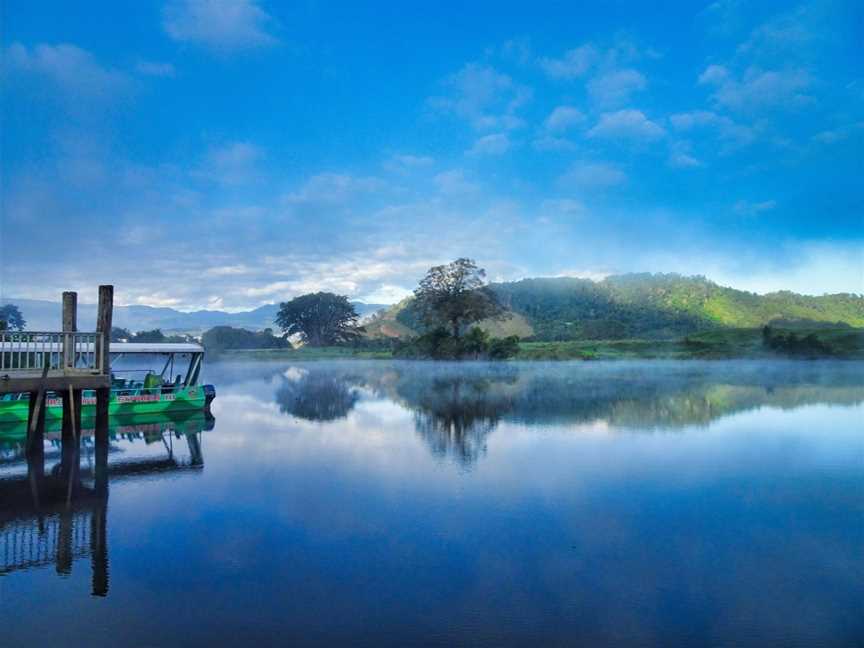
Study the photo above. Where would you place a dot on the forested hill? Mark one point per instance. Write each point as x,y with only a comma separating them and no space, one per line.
641,305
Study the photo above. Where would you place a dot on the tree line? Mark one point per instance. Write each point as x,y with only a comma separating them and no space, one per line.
450,299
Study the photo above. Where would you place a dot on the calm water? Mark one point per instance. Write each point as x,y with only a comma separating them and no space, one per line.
373,503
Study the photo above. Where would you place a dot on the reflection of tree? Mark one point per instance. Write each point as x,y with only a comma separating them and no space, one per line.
317,395
454,418
454,411
457,405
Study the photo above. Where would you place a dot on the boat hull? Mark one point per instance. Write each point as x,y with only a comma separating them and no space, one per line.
121,404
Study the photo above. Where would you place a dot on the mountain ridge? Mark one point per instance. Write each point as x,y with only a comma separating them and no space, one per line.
658,306
44,315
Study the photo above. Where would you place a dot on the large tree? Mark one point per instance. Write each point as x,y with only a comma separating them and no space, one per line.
456,295
11,318
320,319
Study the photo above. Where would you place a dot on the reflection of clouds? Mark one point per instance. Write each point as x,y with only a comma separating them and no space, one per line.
294,374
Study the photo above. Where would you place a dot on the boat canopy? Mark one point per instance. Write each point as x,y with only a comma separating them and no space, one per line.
172,348
156,347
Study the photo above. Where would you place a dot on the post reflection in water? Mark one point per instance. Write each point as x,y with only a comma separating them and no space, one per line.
60,515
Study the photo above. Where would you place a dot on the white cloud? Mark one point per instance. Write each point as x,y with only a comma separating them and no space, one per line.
627,124
810,268
748,208
333,189
722,17
454,183
680,156
73,69
732,133
593,175
517,50
564,118
153,68
220,24
829,136
787,34
592,275
839,133
548,143
484,97
616,87
159,299
757,89
495,144
230,164
386,294
714,74
574,64
403,162
579,61
567,207
229,270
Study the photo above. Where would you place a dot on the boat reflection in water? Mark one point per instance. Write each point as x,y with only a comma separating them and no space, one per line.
54,504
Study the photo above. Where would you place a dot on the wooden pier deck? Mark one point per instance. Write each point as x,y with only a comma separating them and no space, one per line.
65,362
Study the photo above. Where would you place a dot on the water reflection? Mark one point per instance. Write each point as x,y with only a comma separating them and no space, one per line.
316,395
455,406
649,504
454,414
58,514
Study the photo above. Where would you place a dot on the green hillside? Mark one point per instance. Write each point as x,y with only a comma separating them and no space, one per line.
647,306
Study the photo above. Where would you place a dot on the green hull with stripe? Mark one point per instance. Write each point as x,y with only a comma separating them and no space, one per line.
15,408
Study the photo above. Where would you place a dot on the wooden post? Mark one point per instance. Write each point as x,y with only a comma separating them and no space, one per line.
104,318
99,523
36,415
70,325
99,548
36,422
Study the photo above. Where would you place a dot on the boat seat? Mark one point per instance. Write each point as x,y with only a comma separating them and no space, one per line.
152,381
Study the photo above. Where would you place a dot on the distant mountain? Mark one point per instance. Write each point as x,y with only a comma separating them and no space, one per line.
45,316
637,305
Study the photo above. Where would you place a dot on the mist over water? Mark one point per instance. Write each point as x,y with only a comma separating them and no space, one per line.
643,503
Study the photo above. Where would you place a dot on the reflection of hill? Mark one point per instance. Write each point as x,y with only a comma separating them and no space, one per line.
456,405
678,395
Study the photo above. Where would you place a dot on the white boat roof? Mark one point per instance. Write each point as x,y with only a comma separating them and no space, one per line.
116,347
156,347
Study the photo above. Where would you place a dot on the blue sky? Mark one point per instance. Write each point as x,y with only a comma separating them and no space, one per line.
229,154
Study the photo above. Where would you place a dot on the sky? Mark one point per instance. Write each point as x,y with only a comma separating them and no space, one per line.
228,154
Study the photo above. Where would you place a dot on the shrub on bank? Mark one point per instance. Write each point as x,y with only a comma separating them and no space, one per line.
441,344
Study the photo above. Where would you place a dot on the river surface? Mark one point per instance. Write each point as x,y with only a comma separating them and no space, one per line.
376,503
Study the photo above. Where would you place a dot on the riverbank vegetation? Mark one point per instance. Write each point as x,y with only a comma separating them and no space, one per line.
454,314
843,344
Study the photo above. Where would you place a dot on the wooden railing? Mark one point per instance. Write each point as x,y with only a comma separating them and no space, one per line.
67,352
35,542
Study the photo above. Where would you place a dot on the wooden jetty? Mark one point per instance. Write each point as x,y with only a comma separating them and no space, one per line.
66,362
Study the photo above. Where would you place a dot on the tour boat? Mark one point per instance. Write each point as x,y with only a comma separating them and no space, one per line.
134,389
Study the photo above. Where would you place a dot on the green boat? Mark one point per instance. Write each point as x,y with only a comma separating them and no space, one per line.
135,388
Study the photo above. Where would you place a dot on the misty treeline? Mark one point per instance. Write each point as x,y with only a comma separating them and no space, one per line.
152,336
792,343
